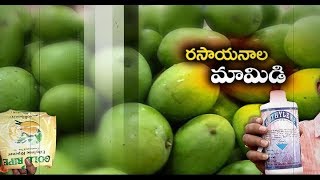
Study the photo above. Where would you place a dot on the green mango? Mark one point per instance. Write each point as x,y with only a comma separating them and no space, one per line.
272,39
244,167
59,63
270,15
134,138
56,23
166,18
148,47
74,106
224,107
235,20
202,145
12,37
301,43
19,90
297,12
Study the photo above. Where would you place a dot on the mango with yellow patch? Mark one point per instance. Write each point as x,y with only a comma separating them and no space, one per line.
303,87
183,91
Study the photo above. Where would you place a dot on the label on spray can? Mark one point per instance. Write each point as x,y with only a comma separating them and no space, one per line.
283,136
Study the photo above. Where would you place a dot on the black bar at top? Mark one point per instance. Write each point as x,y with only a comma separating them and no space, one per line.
163,2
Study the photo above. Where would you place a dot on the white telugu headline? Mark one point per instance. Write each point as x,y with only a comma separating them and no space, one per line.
228,76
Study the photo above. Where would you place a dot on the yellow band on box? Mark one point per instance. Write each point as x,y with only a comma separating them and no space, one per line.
29,135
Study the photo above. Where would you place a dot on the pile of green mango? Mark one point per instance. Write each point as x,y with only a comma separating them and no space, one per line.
42,69
155,112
